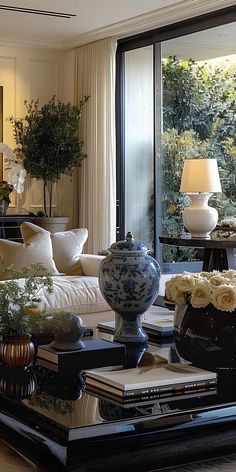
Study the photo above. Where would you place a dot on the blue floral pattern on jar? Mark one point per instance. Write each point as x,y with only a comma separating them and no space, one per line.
129,280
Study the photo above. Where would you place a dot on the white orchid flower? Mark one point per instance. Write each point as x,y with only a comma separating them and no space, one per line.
16,173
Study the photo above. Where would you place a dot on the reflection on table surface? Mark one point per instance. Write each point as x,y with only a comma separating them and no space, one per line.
220,464
64,399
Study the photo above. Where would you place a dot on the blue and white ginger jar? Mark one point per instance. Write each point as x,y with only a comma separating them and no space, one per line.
129,281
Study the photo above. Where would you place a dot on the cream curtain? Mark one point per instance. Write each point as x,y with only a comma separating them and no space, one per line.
95,76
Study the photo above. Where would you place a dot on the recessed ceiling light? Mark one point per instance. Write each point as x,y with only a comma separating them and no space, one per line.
36,12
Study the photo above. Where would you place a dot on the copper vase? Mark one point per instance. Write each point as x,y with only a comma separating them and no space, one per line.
17,352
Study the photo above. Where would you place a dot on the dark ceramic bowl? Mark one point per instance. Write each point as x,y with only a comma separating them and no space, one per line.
206,336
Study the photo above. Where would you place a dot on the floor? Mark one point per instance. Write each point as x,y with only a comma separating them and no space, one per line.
221,464
13,461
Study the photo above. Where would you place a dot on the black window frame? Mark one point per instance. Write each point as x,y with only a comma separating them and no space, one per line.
153,37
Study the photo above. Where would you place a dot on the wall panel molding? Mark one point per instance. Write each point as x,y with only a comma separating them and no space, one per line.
25,75
43,79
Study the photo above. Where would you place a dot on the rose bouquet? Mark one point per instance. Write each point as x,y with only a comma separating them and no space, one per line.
225,230
199,290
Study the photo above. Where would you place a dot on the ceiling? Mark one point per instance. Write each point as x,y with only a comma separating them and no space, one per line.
91,15
101,18
209,44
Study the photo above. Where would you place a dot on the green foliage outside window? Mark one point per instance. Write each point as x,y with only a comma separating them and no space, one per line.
198,121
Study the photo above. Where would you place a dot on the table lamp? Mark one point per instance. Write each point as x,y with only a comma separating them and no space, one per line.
200,179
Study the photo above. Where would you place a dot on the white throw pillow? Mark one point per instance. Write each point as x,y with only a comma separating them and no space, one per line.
37,249
67,246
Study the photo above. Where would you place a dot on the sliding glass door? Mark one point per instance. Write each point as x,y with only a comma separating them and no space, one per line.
138,143
176,100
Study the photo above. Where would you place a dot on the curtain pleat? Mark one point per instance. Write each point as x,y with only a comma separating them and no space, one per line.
95,76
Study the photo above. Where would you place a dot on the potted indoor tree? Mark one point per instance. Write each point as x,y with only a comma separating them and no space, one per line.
48,144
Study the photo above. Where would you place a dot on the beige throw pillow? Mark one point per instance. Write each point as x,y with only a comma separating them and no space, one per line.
90,264
67,246
37,249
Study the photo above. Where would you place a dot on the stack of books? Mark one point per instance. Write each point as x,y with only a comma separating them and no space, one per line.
146,384
155,325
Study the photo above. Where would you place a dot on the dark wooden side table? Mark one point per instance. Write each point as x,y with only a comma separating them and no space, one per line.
218,255
10,226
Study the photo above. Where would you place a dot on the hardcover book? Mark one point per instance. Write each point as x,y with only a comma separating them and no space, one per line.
129,402
46,364
96,353
173,377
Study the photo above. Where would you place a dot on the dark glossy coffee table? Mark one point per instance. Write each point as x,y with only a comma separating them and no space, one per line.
66,428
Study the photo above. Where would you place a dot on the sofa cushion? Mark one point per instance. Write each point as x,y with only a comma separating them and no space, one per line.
76,294
90,264
37,249
67,246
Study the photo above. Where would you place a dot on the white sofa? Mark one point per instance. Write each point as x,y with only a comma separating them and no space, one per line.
75,275
78,294
81,294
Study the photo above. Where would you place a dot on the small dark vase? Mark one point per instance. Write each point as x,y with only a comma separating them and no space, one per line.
206,336
17,351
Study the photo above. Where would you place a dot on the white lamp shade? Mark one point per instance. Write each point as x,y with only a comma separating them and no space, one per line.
200,175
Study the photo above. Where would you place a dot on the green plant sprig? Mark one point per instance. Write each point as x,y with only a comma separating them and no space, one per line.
19,296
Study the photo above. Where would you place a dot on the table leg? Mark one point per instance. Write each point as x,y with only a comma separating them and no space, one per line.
231,258
215,259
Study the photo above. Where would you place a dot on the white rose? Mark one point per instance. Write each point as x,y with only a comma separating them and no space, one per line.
228,221
229,274
224,298
201,294
208,275
185,282
216,280
180,298
171,289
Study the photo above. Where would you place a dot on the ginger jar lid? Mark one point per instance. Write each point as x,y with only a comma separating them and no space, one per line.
128,246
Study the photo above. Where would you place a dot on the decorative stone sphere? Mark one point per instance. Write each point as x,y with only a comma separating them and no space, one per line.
68,329
129,281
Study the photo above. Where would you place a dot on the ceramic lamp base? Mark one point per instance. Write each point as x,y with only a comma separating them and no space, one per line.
199,218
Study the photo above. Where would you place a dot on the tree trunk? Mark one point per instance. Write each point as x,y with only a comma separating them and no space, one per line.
44,196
